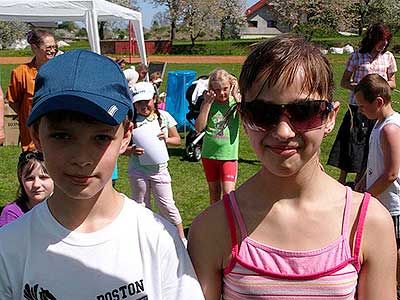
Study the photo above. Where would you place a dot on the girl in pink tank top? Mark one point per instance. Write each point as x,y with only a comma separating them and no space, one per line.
291,231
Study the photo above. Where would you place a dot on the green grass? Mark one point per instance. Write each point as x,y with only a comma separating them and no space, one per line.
188,181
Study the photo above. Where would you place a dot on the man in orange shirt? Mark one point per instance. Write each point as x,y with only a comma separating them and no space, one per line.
22,84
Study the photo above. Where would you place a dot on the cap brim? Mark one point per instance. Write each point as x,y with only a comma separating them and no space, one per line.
102,109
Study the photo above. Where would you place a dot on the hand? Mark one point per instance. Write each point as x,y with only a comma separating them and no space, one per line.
162,136
235,90
133,150
209,97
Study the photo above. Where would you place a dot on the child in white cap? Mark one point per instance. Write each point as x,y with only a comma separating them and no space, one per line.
153,177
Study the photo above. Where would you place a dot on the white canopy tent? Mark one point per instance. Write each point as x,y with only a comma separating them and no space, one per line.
87,11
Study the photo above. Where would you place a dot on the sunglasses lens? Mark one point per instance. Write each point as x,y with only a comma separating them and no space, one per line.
308,115
304,116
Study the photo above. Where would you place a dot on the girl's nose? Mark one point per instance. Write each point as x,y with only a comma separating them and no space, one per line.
283,130
36,182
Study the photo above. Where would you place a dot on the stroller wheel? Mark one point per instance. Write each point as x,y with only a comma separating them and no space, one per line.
197,152
193,152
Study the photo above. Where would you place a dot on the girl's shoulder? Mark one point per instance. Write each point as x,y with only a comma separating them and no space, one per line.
167,118
370,212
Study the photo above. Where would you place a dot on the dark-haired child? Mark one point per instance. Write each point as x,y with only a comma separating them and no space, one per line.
291,231
35,185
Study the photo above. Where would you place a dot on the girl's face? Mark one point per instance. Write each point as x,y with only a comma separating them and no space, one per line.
380,46
222,90
46,50
282,148
144,107
37,183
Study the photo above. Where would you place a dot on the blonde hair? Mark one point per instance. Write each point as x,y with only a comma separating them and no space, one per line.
220,75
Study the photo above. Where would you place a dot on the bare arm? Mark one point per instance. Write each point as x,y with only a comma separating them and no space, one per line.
392,80
201,121
346,82
378,272
206,247
390,144
173,139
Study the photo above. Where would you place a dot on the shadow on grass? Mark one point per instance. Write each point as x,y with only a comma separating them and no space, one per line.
249,161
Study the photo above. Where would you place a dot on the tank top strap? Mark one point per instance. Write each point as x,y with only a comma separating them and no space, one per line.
238,215
347,209
360,228
231,222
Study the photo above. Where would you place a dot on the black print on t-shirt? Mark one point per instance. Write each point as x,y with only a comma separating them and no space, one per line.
122,292
32,293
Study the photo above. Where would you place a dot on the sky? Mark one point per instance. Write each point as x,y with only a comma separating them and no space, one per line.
148,11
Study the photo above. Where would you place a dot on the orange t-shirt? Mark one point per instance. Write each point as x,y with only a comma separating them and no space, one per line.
19,93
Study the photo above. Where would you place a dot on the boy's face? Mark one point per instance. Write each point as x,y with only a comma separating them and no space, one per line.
368,109
80,156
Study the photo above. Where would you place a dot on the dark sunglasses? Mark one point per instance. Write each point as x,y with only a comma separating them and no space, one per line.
303,116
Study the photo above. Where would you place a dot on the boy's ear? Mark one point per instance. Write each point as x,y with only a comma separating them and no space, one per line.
380,101
126,138
34,132
331,120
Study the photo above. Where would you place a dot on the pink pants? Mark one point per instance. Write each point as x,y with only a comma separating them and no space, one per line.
160,185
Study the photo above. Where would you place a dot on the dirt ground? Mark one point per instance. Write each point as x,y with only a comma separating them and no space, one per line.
168,59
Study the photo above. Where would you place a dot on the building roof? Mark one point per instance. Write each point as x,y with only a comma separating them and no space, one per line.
256,6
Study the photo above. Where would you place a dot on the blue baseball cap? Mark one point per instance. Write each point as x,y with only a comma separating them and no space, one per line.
85,82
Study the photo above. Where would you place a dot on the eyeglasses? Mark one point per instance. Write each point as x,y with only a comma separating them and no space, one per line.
49,48
303,116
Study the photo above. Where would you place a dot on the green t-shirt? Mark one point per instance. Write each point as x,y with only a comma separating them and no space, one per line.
218,143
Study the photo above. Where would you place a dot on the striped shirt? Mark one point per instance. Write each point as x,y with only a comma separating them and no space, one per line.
261,272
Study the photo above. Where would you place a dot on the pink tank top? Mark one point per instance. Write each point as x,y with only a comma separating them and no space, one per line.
258,271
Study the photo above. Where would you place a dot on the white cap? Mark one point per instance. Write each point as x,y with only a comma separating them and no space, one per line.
142,91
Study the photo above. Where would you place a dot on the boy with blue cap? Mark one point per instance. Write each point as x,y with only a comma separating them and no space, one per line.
87,241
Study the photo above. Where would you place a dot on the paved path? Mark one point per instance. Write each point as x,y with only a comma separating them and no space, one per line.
168,59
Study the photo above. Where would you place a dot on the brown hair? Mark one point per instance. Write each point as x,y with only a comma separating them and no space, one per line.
375,34
281,59
35,37
373,86
26,163
155,75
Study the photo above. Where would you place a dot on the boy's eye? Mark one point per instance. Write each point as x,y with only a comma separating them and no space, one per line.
103,138
61,136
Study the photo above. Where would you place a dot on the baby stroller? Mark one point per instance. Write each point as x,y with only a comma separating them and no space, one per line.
194,139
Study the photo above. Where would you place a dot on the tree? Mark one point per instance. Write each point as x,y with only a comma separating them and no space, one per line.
311,15
367,12
200,17
11,31
174,9
231,17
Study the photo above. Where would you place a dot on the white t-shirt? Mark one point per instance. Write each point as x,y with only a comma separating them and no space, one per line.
390,198
134,166
138,256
